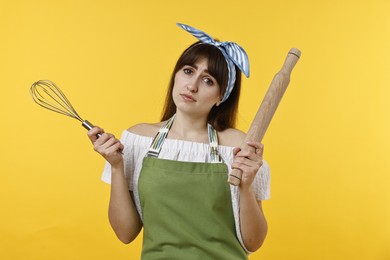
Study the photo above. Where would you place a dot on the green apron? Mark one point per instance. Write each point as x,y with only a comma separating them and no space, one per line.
187,209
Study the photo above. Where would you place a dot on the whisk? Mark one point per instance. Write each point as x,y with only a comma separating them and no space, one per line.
48,95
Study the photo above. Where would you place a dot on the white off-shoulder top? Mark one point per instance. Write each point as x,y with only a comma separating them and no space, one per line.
137,146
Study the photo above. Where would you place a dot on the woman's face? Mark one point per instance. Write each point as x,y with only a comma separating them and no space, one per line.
195,91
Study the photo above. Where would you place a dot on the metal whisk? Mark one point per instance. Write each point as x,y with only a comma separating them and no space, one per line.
48,95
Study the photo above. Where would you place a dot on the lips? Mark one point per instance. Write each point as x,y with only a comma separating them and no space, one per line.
188,97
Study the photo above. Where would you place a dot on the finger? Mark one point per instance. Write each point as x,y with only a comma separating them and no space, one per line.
121,148
251,155
115,148
104,138
236,150
111,153
105,148
106,141
245,161
254,147
93,133
247,166
257,145
103,142
110,141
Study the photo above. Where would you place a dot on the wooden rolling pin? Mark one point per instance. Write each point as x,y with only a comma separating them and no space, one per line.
267,108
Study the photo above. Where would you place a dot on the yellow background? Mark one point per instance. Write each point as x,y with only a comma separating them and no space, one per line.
328,145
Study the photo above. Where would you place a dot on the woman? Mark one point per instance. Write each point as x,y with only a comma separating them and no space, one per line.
177,169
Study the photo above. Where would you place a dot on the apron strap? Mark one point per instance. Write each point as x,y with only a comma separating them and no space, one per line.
213,140
155,147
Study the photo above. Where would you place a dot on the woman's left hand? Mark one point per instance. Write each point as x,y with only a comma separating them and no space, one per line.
249,162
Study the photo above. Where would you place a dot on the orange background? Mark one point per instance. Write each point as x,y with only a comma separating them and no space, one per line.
328,145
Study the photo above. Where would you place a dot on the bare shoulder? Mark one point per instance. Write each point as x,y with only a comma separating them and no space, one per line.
231,137
145,129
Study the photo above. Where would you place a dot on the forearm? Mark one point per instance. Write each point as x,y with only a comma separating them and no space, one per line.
252,220
122,213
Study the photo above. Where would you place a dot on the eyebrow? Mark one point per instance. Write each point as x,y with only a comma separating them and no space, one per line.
196,67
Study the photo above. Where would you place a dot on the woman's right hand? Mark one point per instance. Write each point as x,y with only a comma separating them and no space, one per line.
106,145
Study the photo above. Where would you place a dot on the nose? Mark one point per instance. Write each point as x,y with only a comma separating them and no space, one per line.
192,85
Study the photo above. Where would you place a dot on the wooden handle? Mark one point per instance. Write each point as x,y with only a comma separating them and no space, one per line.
267,108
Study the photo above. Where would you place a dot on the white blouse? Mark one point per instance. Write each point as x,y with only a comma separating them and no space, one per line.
137,146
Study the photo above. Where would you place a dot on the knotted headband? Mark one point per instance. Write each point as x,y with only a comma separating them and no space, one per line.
233,53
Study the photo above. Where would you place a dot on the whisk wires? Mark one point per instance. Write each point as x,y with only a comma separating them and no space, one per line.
48,95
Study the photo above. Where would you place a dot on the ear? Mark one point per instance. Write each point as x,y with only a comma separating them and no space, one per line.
218,103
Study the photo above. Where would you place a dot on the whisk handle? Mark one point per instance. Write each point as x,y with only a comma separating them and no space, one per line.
88,125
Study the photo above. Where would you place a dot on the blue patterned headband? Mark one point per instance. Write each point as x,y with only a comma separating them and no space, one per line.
233,53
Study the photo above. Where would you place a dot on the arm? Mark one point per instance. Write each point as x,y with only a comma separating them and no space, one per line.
252,220
122,213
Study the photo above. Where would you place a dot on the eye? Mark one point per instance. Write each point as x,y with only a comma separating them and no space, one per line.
208,81
188,71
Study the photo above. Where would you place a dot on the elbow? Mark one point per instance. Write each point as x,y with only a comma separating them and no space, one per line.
125,232
253,246
125,240
125,235
254,243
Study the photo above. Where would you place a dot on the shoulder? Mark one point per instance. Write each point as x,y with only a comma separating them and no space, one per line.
145,129
231,137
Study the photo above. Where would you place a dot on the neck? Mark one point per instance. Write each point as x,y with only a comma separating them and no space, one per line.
189,128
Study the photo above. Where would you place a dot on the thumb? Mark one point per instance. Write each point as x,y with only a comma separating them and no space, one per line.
236,150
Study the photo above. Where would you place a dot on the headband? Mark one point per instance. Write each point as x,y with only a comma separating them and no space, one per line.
233,53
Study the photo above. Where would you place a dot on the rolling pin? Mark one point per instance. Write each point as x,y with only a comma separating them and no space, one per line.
267,108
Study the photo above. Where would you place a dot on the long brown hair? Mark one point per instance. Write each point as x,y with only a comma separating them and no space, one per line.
220,117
